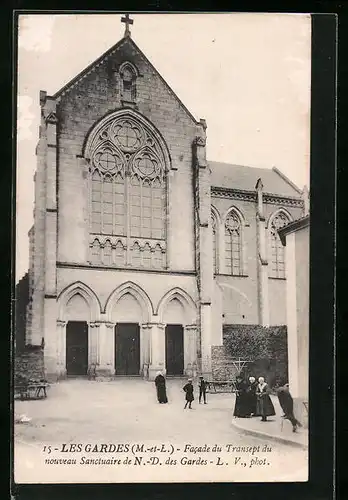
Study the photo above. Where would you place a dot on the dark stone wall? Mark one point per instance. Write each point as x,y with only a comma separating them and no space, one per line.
29,364
21,302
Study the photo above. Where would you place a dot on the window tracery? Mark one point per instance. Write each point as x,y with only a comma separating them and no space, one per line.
233,244
277,250
215,245
127,193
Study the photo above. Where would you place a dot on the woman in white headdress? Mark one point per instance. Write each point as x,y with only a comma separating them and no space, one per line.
264,406
160,383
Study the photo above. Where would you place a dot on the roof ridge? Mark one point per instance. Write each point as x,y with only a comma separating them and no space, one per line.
238,165
166,84
286,179
88,69
97,62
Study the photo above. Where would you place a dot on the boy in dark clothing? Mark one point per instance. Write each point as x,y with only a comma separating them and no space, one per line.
188,388
287,405
202,389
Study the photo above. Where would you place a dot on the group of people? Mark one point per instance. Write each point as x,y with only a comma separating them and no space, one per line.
252,397
253,400
160,383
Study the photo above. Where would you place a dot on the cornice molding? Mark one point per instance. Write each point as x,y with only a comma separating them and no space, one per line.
168,272
233,194
269,198
274,199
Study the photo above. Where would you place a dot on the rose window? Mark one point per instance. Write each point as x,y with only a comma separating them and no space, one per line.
146,167
128,137
107,161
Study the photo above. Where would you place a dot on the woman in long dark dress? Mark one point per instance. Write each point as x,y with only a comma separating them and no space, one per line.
160,383
241,407
251,396
264,405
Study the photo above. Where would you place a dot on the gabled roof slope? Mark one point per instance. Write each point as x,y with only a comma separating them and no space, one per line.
245,178
94,65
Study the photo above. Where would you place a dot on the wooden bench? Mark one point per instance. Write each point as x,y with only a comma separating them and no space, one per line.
32,390
214,385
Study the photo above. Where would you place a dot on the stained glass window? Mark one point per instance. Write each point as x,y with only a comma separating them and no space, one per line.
127,194
233,245
277,250
215,245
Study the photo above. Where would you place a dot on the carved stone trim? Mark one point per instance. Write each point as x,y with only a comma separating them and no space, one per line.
52,118
200,141
191,327
146,326
273,199
264,262
239,194
109,325
233,194
94,324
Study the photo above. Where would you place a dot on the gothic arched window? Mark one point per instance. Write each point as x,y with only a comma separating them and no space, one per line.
127,193
277,250
215,244
128,82
233,244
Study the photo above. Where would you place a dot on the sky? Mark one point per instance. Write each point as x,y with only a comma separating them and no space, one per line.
247,75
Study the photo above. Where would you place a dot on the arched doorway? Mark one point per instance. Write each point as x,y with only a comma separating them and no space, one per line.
178,314
77,311
174,334
76,342
127,315
128,309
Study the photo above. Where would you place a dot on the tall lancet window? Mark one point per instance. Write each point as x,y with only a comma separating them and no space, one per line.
277,250
215,244
233,244
128,82
128,194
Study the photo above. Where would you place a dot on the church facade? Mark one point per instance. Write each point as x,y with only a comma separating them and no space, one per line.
141,249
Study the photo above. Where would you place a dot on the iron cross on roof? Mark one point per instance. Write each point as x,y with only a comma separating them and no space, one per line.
126,19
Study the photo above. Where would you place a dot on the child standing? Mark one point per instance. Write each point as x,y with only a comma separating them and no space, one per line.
202,390
188,388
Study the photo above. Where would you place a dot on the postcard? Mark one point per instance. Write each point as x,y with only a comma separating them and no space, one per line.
162,256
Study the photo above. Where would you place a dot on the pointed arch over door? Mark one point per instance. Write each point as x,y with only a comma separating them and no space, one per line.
128,164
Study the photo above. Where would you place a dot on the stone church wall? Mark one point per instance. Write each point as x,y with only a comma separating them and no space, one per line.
104,282
29,364
78,111
21,304
240,293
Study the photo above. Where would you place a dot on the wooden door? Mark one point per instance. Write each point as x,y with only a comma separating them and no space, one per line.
77,348
127,349
174,350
